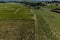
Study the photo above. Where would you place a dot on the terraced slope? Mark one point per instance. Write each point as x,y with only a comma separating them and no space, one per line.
16,26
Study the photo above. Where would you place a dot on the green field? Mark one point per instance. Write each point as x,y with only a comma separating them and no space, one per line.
18,22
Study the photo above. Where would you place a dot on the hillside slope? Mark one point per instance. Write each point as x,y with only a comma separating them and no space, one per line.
16,25
18,22
46,29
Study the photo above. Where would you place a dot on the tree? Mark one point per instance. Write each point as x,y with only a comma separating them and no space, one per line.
56,2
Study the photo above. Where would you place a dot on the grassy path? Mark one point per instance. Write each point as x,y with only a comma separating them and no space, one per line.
17,10
36,31
40,35
36,27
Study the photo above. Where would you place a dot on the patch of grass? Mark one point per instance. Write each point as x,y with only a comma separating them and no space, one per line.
16,16
52,17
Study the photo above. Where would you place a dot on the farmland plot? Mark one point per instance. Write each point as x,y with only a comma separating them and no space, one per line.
16,25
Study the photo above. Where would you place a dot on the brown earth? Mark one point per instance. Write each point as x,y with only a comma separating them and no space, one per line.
17,30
